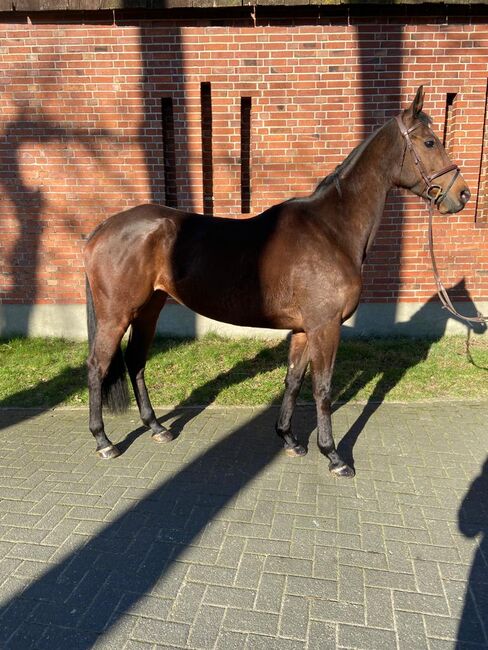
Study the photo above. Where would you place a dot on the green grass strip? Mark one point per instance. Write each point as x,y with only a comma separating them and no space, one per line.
51,372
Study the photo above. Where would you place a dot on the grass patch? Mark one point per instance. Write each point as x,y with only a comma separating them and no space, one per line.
51,372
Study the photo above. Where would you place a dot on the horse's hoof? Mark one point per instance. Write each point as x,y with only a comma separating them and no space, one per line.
162,436
108,452
342,471
297,450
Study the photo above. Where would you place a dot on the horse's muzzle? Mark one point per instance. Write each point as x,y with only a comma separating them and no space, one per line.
451,204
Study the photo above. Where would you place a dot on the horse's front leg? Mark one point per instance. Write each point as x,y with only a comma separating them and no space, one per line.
298,358
323,343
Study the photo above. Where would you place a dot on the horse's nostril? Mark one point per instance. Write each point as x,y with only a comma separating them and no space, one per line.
465,196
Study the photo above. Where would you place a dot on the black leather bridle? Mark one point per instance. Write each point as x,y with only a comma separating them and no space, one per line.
433,191
436,194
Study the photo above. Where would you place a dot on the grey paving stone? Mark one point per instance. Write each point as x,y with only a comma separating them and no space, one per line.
421,603
212,575
31,552
402,581
229,597
379,608
249,572
187,603
337,612
269,595
231,641
230,552
243,620
311,587
288,566
171,547
282,526
410,631
321,636
257,642
156,631
351,584
428,577
366,637
206,628
137,645
294,618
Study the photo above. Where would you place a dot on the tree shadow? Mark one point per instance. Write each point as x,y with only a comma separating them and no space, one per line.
139,552
473,521
417,352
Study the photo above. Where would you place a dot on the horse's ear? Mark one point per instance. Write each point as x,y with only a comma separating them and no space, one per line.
417,104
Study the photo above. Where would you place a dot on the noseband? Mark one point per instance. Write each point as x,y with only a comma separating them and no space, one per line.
435,192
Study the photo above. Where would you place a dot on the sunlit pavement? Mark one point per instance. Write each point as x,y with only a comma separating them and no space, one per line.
219,540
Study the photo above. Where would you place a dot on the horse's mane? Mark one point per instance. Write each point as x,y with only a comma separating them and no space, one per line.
349,161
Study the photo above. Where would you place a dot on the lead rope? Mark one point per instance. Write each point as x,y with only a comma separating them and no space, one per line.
441,289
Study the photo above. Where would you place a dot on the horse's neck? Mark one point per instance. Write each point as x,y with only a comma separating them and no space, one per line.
364,189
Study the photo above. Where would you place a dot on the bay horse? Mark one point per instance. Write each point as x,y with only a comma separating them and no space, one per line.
296,266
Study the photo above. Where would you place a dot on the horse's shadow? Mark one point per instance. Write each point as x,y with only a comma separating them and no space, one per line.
408,353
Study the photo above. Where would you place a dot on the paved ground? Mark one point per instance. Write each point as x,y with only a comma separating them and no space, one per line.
219,540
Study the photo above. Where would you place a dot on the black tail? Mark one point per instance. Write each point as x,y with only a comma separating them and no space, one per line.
115,391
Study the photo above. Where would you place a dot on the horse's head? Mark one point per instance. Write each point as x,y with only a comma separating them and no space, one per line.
426,169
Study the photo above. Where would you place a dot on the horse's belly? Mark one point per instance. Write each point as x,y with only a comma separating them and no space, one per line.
244,311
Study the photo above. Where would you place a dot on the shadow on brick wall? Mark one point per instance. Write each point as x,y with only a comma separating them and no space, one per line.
380,50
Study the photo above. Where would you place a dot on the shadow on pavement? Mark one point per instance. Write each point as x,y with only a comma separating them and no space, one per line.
473,521
137,554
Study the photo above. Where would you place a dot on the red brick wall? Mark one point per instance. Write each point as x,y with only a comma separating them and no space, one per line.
81,136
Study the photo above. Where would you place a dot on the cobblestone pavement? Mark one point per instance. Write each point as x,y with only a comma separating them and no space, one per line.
219,540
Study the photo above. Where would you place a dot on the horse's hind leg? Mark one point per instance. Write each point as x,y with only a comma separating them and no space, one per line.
323,343
105,347
298,358
141,336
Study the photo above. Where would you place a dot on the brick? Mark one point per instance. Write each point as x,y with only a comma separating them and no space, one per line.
187,603
422,603
294,618
154,631
322,636
205,631
379,608
249,571
241,620
229,597
410,631
269,596
234,640
337,611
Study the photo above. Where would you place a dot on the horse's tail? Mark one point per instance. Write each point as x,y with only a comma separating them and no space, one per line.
115,392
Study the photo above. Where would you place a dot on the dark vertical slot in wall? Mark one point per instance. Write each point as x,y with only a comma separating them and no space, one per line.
168,128
450,98
207,162
245,154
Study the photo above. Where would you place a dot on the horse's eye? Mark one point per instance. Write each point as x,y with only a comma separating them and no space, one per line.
429,144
